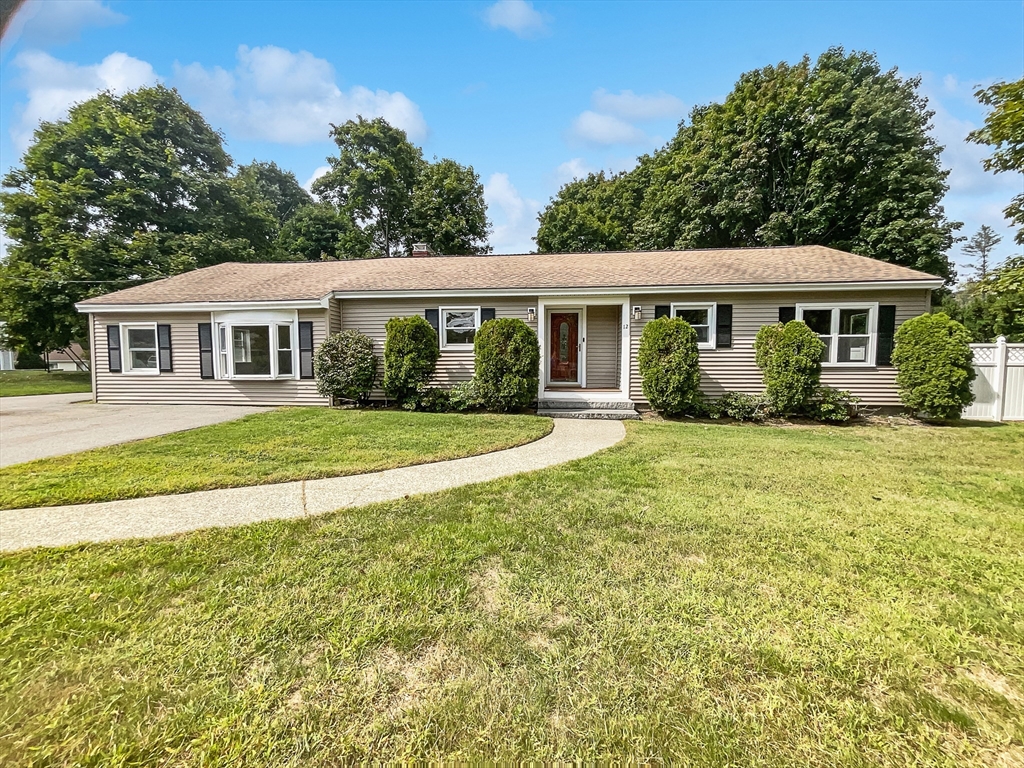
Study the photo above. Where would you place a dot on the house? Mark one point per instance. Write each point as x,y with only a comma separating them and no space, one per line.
246,333
72,358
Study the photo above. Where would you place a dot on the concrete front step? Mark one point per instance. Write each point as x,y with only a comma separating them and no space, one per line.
584,405
617,414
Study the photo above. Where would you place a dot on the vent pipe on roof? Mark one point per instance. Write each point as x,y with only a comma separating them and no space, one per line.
421,250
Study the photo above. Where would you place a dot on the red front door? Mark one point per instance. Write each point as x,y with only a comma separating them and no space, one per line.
565,357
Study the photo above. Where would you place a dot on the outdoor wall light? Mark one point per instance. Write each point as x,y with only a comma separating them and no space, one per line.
636,313
531,315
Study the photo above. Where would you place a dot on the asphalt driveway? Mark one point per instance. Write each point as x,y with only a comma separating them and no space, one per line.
50,425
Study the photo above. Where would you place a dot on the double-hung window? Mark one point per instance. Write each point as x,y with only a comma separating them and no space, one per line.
459,326
250,346
701,318
848,331
140,348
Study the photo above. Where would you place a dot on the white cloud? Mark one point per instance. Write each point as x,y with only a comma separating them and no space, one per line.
320,171
632,106
514,217
276,95
42,23
594,128
577,168
54,85
517,16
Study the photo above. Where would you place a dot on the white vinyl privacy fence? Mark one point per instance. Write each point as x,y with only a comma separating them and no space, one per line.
999,386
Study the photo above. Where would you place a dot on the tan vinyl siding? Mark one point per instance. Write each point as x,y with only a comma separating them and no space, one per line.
369,316
724,370
603,351
183,385
334,317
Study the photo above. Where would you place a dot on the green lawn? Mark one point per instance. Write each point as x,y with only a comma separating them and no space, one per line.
17,383
272,447
699,594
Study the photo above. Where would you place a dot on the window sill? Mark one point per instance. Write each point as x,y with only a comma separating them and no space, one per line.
143,372
457,347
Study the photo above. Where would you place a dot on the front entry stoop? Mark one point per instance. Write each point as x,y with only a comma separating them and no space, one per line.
618,410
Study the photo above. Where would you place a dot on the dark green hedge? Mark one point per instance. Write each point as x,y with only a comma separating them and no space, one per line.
934,365
507,364
669,365
410,355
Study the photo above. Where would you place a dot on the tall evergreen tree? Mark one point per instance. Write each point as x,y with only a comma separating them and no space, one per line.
980,248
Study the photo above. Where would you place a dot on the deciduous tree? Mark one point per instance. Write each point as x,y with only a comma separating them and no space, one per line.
1004,130
126,188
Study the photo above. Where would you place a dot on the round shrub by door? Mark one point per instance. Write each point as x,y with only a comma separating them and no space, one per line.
789,357
410,355
669,365
934,365
345,366
507,364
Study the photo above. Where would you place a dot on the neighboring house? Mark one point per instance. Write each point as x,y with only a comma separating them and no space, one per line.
74,358
246,333
8,357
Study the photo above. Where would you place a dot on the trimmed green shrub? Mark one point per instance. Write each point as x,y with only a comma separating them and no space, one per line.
464,397
410,355
345,366
934,367
789,357
507,364
29,361
430,400
744,407
834,406
669,366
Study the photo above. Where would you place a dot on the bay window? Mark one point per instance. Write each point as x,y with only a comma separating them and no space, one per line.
848,331
701,318
256,345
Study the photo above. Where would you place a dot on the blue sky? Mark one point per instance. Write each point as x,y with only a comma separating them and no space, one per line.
529,94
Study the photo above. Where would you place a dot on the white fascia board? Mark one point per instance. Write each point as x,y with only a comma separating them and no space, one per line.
633,290
204,306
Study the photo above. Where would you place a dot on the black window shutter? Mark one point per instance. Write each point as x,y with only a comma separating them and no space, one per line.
662,310
486,314
786,314
205,351
163,344
886,334
305,350
723,326
114,348
432,316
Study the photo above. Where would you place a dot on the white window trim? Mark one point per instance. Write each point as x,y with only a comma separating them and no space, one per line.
871,307
442,330
126,357
223,353
712,308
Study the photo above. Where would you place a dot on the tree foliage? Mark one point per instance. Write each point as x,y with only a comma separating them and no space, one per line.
380,183
319,233
1004,130
448,209
834,153
276,187
507,364
789,357
979,247
934,365
669,365
127,188
993,306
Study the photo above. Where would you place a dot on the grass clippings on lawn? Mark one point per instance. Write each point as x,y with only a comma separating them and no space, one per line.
20,383
273,447
697,595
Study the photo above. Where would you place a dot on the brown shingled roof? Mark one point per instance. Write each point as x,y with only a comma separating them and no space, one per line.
293,281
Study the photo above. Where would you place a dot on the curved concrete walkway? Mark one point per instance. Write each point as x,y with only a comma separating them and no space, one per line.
165,515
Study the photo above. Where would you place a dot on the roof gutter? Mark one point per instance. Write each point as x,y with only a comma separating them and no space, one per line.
206,306
659,289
